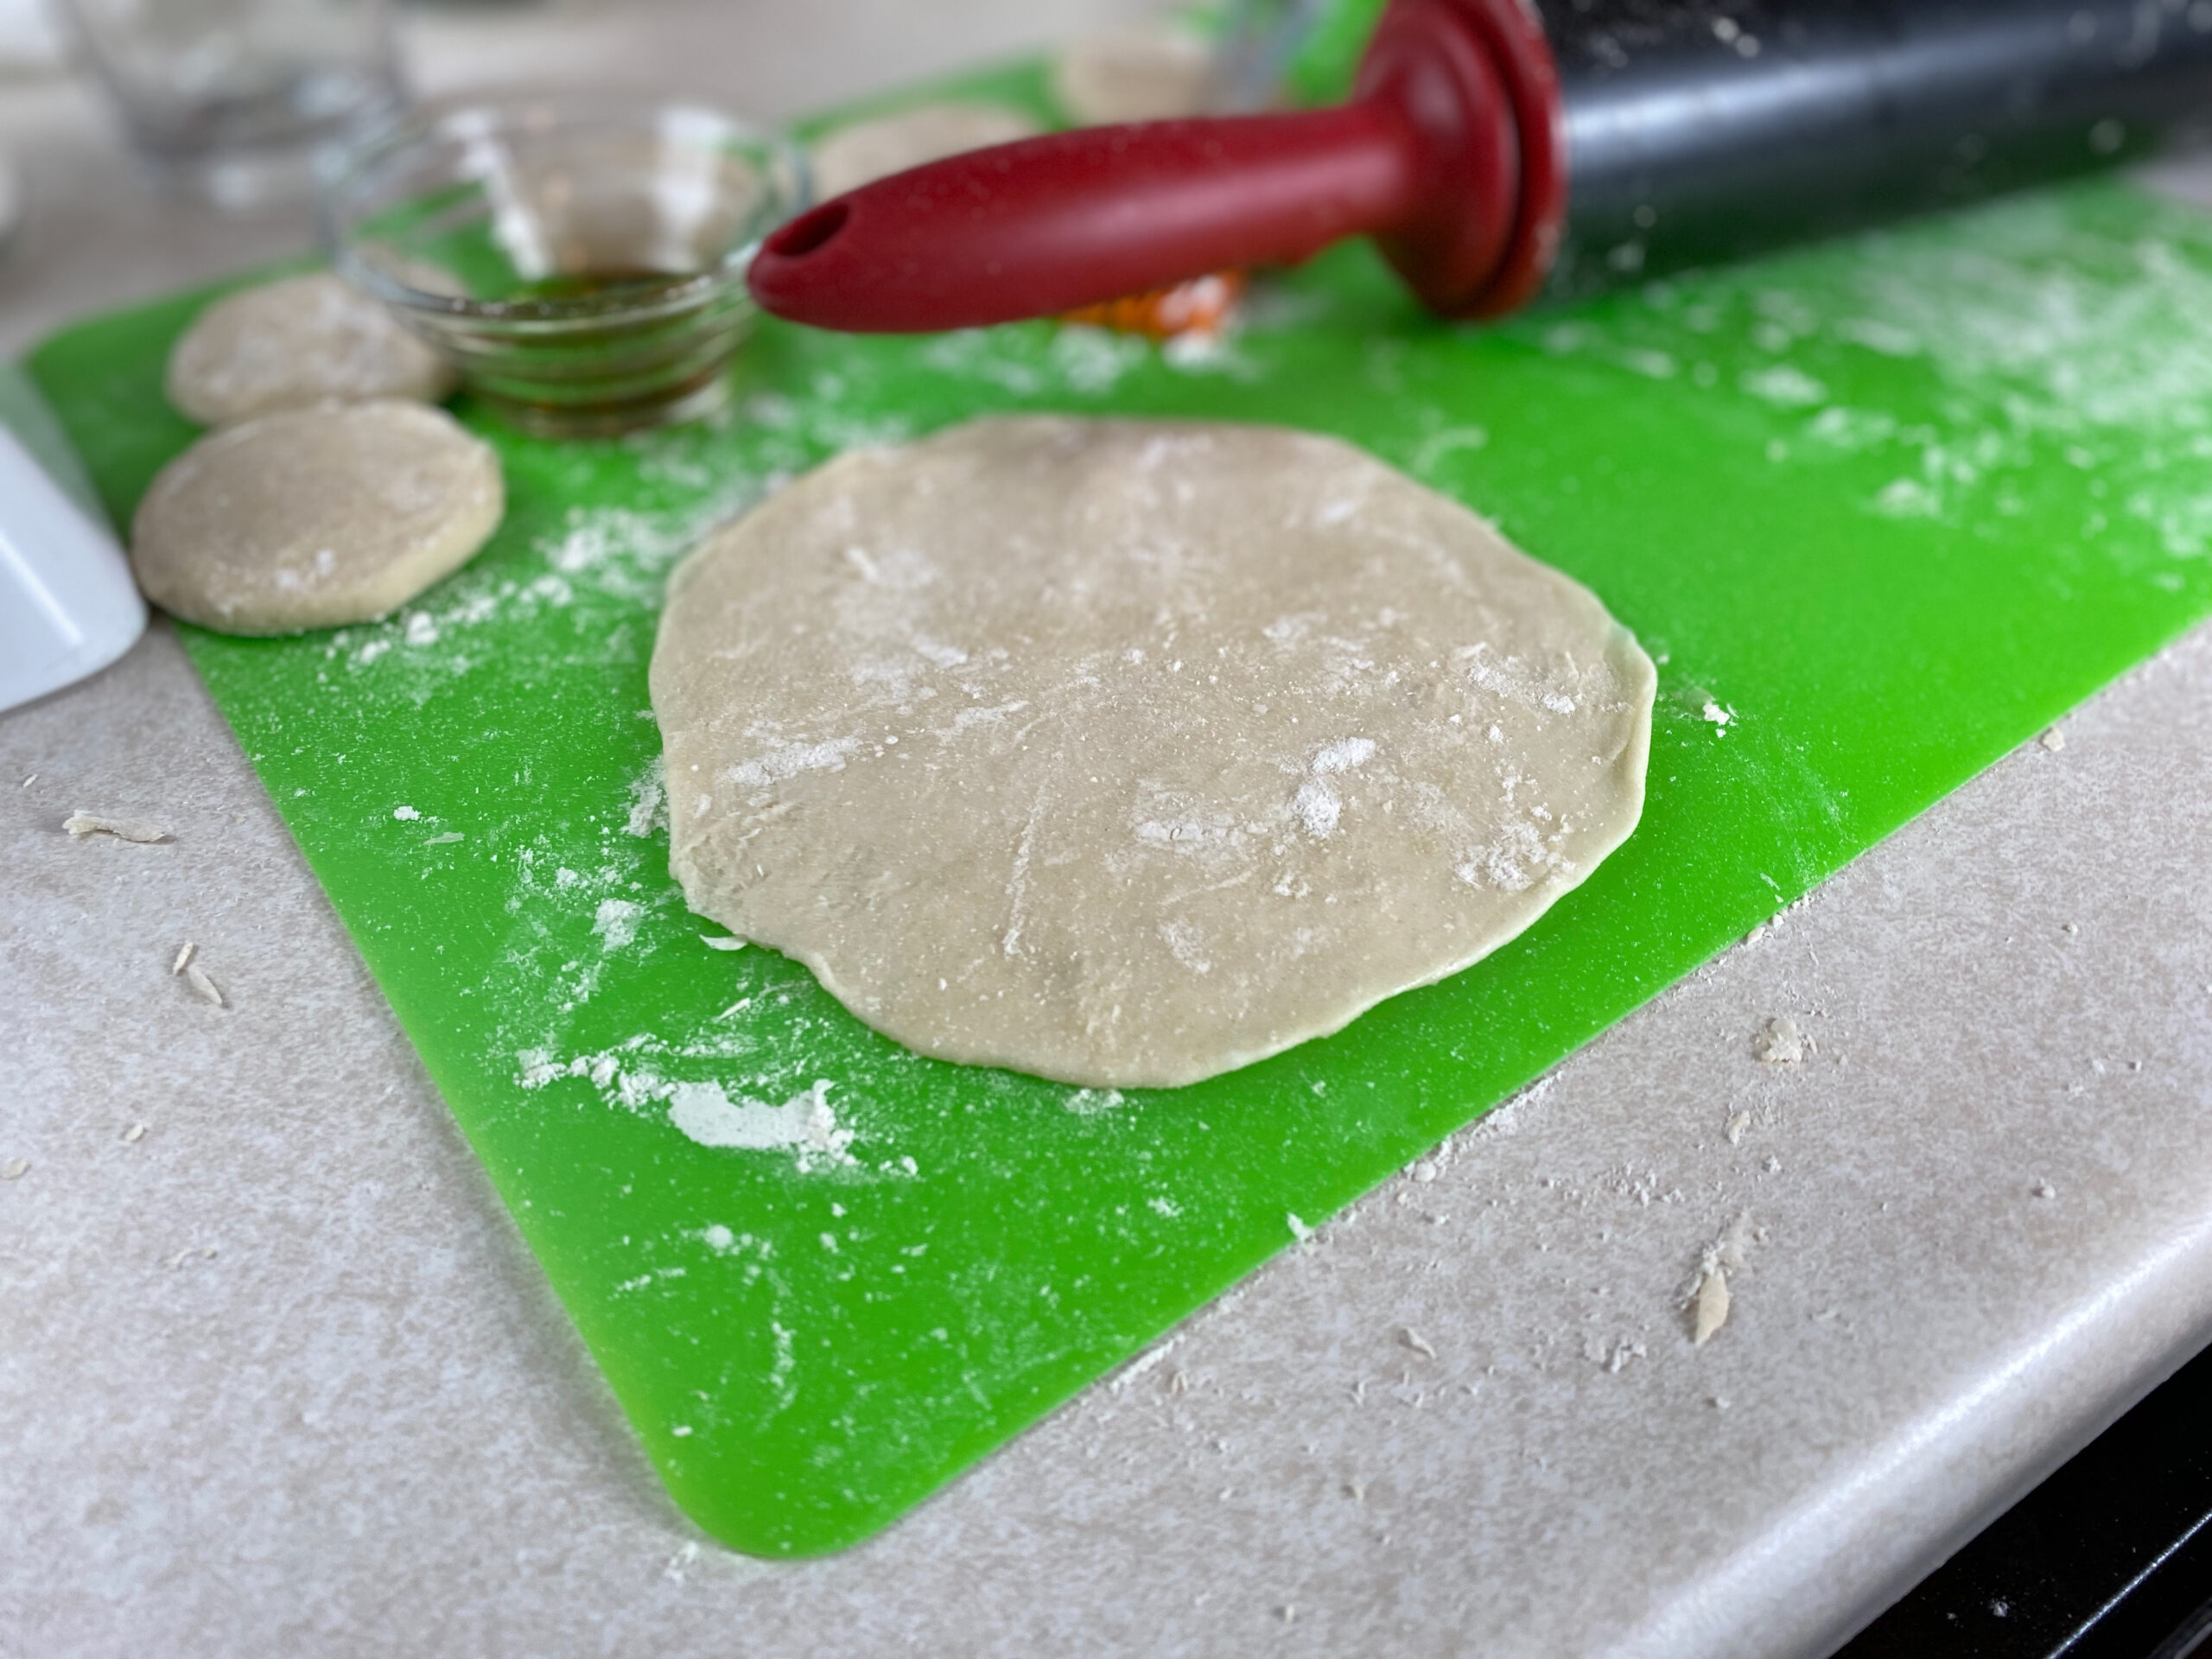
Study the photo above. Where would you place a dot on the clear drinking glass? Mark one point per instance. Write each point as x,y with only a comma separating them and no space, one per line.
233,98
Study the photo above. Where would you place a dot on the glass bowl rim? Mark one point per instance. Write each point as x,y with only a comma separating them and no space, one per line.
787,174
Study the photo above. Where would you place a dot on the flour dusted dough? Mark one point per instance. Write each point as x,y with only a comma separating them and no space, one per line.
1125,753
297,342
310,518
868,151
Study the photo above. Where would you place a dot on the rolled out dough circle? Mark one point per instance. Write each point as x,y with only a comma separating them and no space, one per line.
312,517
1126,753
873,149
297,342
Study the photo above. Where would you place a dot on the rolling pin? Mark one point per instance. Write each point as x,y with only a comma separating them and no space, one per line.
1502,151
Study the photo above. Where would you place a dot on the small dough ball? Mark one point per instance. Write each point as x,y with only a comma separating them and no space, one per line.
869,150
312,517
293,342
1125,753
1155,74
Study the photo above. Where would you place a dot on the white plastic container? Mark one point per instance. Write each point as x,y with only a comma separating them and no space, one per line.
68,604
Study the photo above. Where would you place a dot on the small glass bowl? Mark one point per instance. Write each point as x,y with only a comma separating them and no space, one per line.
581,256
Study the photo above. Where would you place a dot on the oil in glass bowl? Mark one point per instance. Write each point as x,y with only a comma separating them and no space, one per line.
581,256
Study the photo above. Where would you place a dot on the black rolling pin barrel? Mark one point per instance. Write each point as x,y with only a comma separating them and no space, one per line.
1698,134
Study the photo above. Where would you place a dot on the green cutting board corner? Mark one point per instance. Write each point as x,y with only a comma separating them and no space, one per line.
1890,507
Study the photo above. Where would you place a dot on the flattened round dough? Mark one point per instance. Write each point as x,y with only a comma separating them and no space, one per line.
1133,74
1125,753
293,342
311,517
868,151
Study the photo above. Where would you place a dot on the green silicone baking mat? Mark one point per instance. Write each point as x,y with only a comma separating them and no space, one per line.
1880,510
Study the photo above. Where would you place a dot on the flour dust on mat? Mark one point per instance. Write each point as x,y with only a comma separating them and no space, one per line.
1127,753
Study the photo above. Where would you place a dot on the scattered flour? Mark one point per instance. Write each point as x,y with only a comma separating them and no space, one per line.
1504,1118
2042,329
1317,806
1516,680
1786,386
648,802
1780,1043
1908,498
1143,1363
1616,1355
790,759
805,1124
616,923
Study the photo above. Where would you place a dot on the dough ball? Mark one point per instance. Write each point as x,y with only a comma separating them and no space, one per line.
293,342
1133,74
868,151
311,517
1125,753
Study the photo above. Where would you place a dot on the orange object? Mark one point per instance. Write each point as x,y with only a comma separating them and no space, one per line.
1199,305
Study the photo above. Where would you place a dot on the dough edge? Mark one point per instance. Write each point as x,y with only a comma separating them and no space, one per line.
1542,898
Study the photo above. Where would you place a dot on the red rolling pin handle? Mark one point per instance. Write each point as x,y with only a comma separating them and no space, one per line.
1049,224
1429,159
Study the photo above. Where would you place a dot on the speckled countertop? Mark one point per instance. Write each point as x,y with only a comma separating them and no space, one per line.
277,1376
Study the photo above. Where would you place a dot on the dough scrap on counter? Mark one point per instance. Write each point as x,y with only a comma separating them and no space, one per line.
203,987
81,824
1126,753
1709,1309
313,518
293,342
872,150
